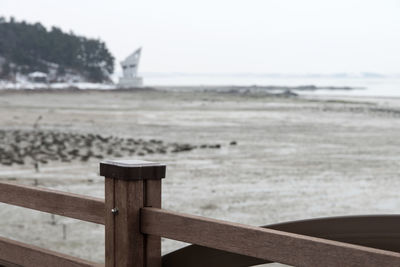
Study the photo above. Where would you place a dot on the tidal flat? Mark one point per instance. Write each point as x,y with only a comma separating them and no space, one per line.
278,158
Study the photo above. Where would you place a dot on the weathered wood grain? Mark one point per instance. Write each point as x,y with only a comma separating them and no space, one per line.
130,185
8,264
376,231
109,188
20,254
61,203
152,242
128,241
124,245
266,244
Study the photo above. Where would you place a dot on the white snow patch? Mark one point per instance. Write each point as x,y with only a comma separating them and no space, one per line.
20,85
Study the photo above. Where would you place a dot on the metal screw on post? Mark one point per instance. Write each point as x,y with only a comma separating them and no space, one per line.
114,211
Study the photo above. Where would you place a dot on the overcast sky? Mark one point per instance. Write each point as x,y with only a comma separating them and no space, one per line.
228,36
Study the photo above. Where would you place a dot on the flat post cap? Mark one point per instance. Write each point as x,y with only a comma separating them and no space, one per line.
132,169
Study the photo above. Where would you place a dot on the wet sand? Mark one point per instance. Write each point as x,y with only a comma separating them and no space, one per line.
294,158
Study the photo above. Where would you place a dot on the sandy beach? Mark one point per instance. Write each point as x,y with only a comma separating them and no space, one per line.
279,158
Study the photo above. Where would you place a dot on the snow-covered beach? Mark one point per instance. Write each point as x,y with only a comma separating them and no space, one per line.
281,158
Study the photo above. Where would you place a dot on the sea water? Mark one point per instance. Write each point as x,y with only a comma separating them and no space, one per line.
373,87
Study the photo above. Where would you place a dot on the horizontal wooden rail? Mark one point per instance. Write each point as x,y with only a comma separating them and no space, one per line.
13,253
65,204
376,231
267,244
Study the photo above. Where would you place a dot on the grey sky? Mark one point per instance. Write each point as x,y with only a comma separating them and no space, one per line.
233,36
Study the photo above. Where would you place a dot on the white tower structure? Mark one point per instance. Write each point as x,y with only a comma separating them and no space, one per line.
130,67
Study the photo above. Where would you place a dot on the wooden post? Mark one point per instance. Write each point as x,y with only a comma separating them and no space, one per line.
129,186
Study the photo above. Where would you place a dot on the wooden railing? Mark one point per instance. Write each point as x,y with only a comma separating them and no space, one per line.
13,253
134,224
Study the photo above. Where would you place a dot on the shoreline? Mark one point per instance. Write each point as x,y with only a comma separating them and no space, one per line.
113,87
9,85
244,91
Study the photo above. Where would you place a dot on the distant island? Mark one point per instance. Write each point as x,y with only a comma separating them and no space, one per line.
32,52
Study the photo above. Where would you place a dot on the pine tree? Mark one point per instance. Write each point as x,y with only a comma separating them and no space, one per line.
31,47
5,71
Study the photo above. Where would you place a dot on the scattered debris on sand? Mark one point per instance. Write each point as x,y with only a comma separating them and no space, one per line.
42,146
